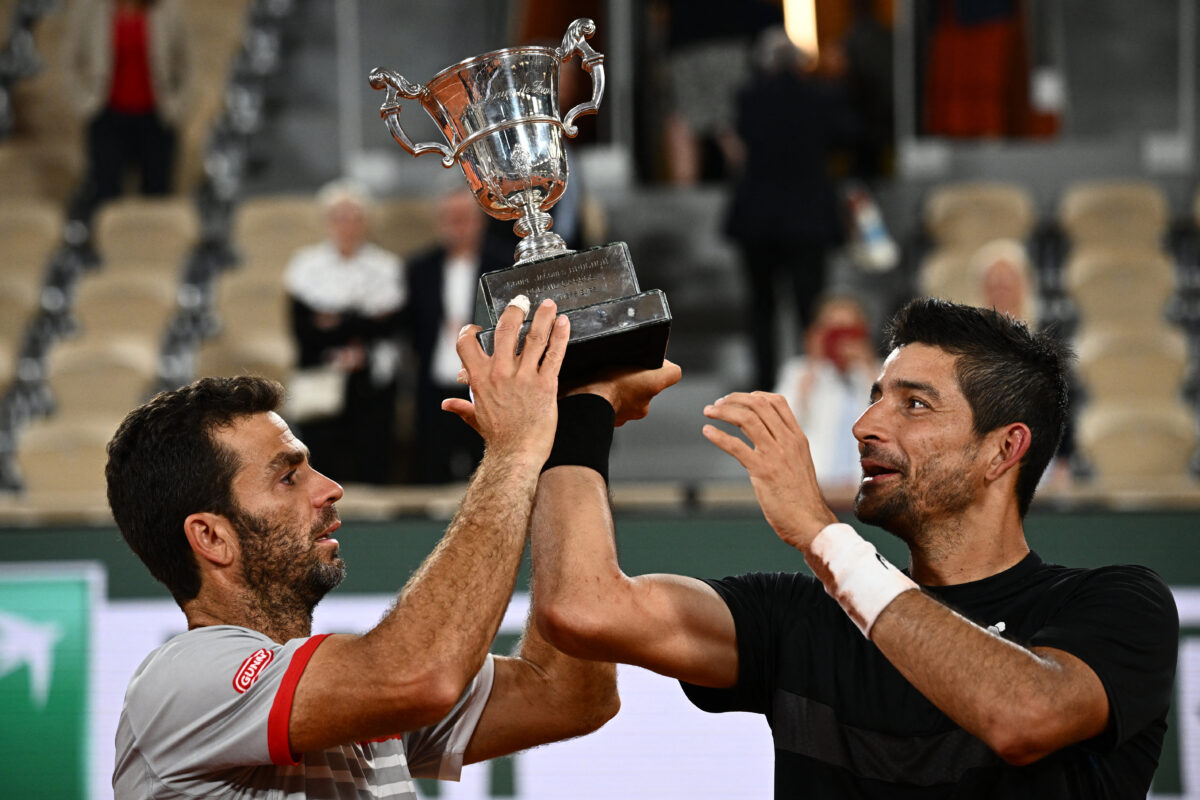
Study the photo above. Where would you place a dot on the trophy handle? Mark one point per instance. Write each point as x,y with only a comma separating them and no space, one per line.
578,32
397,87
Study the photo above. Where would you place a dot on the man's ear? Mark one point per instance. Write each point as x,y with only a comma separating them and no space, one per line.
1009,445
212,538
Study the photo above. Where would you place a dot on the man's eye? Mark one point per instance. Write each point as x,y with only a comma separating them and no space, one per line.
916,402
289,479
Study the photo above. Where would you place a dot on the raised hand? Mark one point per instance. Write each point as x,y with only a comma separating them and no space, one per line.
777,459
630,391
513,405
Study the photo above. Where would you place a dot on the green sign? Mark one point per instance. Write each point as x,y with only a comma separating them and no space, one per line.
45,636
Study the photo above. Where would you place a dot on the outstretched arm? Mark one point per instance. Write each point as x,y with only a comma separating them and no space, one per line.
1024,703
542,695
411,668
585,605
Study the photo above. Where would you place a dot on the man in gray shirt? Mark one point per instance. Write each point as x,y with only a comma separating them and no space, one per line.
213,492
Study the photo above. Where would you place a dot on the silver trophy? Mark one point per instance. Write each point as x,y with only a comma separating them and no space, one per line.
499,114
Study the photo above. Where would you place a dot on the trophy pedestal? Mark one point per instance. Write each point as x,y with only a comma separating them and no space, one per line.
613,323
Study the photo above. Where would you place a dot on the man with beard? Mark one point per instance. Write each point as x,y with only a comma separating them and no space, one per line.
214,493
978,672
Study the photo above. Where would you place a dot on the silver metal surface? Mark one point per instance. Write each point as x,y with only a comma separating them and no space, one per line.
499,114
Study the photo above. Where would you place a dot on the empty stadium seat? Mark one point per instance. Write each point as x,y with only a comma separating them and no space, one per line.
1114,281
101,379
60,458
1131,444
125,304
144,230
971,213
1132,364
1119,211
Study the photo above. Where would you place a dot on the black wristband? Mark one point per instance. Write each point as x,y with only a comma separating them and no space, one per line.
584,435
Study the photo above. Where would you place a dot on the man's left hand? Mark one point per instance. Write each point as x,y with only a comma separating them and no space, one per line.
777,459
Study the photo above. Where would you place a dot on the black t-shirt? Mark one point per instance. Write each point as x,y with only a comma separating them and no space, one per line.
846,724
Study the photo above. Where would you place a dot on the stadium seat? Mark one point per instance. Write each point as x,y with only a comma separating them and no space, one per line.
1115,281
60,458
125,304
1131,445
142,230
971,213
1132,364
101,379
1115,211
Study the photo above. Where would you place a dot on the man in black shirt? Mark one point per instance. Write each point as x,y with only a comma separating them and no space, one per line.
977,672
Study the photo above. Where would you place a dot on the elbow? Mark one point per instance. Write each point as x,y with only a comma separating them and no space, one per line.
1021,739
417,699
571,628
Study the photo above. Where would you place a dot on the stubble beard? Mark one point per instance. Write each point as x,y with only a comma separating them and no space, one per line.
936,491
286,576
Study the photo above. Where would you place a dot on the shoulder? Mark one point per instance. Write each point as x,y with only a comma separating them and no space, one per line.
379,259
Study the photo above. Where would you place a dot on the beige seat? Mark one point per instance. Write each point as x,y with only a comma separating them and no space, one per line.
945,273
64,457
18,300
144,230
1119,281
269,229
269,356
973,212
8,363
45,171
1129,444
252,304
1119,211
125,304
103,378
1131,364
30,231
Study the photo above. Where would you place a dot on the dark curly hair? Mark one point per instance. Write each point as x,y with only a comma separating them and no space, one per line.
164,464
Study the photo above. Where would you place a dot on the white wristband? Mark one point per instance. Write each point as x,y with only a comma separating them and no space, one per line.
855,574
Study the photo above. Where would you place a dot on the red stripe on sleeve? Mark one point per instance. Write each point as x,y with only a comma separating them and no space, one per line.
281,710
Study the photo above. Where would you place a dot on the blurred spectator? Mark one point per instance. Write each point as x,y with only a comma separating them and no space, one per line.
1001,278
709,52
127,63
829,386
784,214
867,50
346,294
442,289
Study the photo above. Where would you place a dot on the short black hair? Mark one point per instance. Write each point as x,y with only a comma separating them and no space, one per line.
164,463
1007,373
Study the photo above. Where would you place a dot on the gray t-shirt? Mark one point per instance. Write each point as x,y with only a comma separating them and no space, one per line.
207,715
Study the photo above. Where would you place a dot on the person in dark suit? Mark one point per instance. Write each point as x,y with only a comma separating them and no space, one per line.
442,287
783,214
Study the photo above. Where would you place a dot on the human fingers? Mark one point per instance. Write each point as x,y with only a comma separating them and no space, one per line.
730,444
508,329
537,337
744,412
470,351
464,409
556,349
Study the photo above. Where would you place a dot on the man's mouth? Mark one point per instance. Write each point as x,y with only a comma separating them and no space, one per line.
327,536
877,470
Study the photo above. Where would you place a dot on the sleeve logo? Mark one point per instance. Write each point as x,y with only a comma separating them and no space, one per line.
251,668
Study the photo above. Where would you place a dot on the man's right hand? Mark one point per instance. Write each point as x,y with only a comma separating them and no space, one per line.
630,391
513,405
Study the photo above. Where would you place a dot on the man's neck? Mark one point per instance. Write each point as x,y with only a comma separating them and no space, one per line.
967,547
277,620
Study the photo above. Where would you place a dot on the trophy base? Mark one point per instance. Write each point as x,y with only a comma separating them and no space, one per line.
625,332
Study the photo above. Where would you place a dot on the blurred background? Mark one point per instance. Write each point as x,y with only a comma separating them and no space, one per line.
181,182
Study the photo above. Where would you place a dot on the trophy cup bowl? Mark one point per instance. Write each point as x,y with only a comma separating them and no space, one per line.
500,117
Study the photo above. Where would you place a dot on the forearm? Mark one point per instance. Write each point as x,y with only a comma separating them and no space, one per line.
575,573
1024,704
449,611
542,695
587,607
